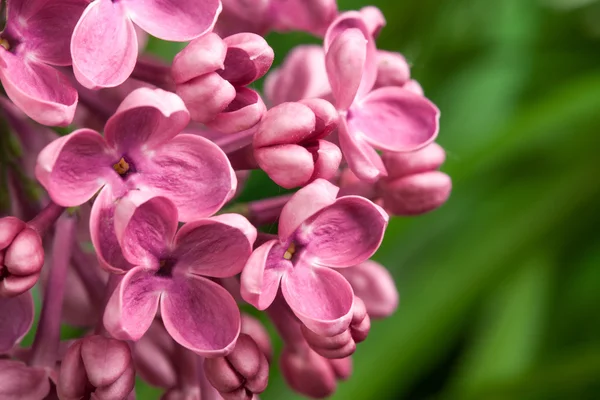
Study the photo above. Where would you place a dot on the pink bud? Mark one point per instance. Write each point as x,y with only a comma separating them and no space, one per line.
416,194
256,330
429,158
153,357
374,19
248,58
392,69
202,56
96,366
414,86
206,96
244,111
326,116
242,373
350,184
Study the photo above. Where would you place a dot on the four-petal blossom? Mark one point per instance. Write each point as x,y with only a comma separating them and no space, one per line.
317,232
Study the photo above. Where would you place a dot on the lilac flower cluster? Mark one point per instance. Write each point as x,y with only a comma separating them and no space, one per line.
137,236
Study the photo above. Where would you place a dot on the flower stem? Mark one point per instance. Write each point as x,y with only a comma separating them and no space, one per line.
267,211
46,218
286,322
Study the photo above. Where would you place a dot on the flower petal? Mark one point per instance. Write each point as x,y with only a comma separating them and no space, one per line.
201,315
304,203
39,90
249,57
345,233
74,167
303,15
147,118
174,20
192,172
202,56
244,111
104,57
261,276
133,304
395,119
20,381
320,297
217,247
362,159
288,165
16,317
145,231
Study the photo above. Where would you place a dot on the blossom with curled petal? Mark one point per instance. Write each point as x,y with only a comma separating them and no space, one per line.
317,232
34,41
106,57
141,150
171,271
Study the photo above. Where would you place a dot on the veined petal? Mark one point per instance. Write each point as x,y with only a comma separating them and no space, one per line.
39,90
192,172
146,119
217,247
133,304
174,20
304,203
345,233
16,317
20,381
104,57
320,297
74,167
362,159
395,119
201,315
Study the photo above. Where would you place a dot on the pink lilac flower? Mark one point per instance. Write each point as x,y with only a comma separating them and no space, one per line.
35,39
171,270
106,57
16,317
317,232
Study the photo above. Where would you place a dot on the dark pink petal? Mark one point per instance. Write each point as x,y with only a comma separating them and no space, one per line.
146,119
192,172
395,119
133,305
145,230
345,233
428,158
362,159
202,56
262,274
201,315
40,91
320,297
19,381
217,247
74,167
249,57
16,317
104,57
244,111
303,204
174,20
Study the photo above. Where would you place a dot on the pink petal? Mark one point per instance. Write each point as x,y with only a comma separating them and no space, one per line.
304,203
288,165
362,159
249,57
20,381
192,172
202,56
146,119
374,19
217,247
133,304
145,231
345,233
304,15
74,167
320,297
104,57
174,20
416,194
327,159
244,111
16,317
201,316
206,96
287,123
40,91
262,274
428,158
395,119
345,61
392,69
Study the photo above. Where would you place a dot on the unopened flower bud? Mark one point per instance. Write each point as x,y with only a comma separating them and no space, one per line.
392,69
429,158
416,194
242,113
242,373
206,96
96,366
201,56
248,58
256,330
374,19
414,86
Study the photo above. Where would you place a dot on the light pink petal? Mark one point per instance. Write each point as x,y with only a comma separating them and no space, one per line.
249,57
133,304
192,172
201,316
202,56
104,45
74,167
374,19
416,194
429,158
262,274
305,15
345,233
19,381
146,119
320,297
327,159
395,119
345,61
39,90
206,96
104,237
288,165
16,317
217,247
244,111
174,20
303,204
362,159
145,231
392,69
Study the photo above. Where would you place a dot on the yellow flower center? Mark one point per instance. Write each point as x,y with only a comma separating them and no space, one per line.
4,43
290,251
121,167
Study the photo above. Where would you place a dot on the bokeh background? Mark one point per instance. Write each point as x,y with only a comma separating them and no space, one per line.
500,288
